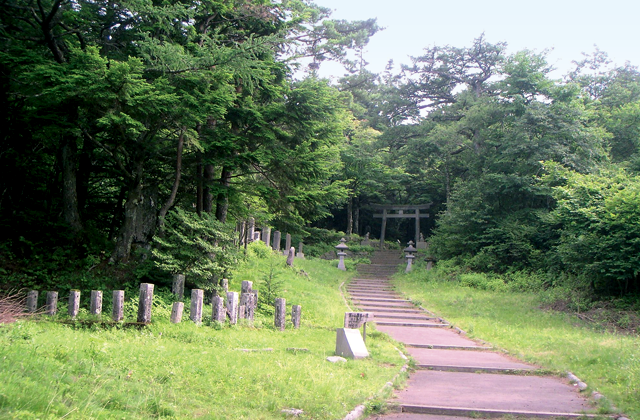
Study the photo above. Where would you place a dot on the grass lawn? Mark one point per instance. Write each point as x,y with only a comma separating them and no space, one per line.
50,370
608,362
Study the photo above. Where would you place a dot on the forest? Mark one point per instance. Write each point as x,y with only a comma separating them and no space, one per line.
139,136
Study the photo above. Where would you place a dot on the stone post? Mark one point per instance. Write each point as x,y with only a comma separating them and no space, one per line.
145,302
266,235
74,303
246,287
96,302
276,241
281,310
218,312
292,253
176,312
177,288
247,305
300,254
32,301
117,312
232,307
296,315
195,312
287,243
251,230
52,303
225,285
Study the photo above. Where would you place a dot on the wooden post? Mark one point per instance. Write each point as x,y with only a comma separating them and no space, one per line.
32,301
218,312
296,315
176,312
52,303
281,310
145,302
232,307
74,303
177,288
96,302
117,312
195,313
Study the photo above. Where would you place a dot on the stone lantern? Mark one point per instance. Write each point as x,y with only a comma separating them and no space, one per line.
342,247
409,251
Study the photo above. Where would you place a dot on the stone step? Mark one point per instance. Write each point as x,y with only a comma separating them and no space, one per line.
456,393
467,361
363,286
397,310
377,267
410,324
381,295
382,305
418,316
380,300
429,337
361,280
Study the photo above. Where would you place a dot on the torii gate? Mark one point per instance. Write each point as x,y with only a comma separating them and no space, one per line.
388,213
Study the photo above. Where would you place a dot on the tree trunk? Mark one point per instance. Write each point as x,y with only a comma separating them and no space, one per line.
199,185
85,168
70,211
356,215
222,204
350,216
176,183
122,249
207,195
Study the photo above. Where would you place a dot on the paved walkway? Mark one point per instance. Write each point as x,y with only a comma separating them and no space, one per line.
456,378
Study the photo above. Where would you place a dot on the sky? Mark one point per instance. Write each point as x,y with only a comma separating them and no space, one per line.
568,27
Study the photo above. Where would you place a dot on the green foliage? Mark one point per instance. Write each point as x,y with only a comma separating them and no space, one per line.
598,216
271,285
200,247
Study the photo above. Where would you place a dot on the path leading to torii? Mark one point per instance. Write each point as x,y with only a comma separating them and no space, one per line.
455,375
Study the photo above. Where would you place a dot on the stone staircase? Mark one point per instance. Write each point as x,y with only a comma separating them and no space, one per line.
456,377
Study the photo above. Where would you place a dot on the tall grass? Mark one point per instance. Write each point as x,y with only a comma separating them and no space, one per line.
608,362
54,370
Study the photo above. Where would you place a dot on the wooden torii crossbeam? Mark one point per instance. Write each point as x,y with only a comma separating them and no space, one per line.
399,212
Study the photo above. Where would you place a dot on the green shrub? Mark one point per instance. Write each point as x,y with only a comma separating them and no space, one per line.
482,281
200,247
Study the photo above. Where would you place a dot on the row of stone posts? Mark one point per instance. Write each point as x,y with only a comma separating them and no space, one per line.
117,312
238,306
276,243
